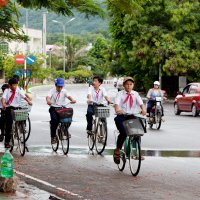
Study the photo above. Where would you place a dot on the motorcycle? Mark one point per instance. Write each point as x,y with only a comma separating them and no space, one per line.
156,114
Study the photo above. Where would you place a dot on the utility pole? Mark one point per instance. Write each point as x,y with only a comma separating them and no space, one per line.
44,39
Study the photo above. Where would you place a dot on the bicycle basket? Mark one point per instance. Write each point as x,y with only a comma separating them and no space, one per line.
102,112
65,114
20,115
135,126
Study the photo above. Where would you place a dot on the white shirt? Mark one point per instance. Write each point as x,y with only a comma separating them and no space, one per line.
58,98
18,98
97,96
137,101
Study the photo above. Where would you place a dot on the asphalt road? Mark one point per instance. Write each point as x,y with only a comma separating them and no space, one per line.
177,132
81,175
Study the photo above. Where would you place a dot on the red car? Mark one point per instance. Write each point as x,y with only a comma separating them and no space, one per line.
188,100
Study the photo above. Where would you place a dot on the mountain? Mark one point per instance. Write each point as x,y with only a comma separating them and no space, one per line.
78,26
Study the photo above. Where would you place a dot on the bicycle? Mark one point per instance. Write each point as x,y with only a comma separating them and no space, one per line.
98,138
27,123
20,115
135,128
65,117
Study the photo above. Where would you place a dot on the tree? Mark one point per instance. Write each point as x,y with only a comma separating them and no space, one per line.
35,71
159,33
9,27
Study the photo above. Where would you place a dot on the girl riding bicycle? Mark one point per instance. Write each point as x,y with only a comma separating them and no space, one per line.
126,101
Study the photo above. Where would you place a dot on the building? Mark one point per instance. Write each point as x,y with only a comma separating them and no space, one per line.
16,47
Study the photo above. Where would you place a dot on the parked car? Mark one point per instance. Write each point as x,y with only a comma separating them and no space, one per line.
188,100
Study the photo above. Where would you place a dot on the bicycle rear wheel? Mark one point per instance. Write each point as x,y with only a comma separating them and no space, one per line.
122,163
134,156
21,138
64,138
55,145
91,137
27,129
101,137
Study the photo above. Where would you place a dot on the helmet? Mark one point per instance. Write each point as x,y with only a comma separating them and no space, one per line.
156,83
60,82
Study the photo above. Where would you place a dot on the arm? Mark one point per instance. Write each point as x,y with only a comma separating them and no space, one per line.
3,101
48,100
89,95
28,97
148,94
117,109
71,99
28,100
117,103
89,98
108,100
143,109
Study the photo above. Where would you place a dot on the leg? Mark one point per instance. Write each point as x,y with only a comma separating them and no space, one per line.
122,133
8,122
54,121
121,138
150,105
90,113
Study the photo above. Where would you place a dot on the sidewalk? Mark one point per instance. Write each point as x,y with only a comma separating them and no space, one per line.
28,192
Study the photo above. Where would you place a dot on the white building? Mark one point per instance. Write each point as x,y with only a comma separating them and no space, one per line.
34,43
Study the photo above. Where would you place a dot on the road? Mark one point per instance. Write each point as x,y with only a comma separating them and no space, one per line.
165,173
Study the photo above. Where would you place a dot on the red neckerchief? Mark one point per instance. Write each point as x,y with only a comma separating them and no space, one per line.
130,98
11,97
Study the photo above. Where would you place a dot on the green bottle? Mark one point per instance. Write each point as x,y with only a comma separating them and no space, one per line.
7,165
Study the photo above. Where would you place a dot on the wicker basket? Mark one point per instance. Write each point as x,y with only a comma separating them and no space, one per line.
20,115
102,112
134,126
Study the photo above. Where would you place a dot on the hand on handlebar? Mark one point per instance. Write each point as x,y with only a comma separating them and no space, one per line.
73,101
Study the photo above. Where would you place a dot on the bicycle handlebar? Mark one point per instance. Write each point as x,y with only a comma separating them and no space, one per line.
58,106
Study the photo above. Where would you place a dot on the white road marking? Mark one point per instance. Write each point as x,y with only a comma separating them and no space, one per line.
48,184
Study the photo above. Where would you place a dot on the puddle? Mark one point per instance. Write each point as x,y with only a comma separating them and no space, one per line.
25,191
47,151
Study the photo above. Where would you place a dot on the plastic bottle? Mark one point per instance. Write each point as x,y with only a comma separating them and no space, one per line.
7,165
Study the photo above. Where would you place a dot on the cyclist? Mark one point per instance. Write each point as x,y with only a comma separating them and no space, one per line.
18,79
57,96
126,101
2,118
12,99
151,96
96,93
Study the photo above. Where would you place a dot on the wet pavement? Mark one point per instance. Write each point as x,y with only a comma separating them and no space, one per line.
29,192
170,169
97,177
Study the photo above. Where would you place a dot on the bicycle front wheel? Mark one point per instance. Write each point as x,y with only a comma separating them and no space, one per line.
134,156
101,137
158,120
64,138
21,138
27,128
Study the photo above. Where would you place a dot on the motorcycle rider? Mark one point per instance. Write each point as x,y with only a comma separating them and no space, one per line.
151,96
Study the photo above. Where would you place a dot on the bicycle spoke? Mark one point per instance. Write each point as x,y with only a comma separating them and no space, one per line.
64,138
134,156
101,137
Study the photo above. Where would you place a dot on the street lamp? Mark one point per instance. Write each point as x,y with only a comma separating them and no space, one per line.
63,25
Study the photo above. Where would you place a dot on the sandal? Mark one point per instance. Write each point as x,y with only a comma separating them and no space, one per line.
53,140
116,156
